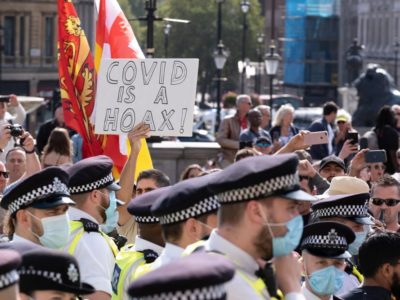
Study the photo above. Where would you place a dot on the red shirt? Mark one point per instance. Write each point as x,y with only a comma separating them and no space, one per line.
243,122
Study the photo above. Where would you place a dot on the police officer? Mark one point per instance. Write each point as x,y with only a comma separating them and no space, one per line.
9,262
352,211
148,243
187,213
48,274
37,208
197,276
93,189
259,219
324,249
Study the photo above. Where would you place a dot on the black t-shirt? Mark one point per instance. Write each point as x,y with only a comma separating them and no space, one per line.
368,293
388,139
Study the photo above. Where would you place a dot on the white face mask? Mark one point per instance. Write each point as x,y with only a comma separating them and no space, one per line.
55,231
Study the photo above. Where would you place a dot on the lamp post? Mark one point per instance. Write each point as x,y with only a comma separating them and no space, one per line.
167,30
396,60
220,57
245,6
260,42
1,49
271,67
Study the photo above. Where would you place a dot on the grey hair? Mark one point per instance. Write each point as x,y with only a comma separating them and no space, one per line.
241,98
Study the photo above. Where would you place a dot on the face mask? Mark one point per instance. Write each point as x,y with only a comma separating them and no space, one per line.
360,238
326,281
284,245
112,215
55,231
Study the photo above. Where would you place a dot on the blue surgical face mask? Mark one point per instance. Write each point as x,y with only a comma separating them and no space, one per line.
55,231
284,245
112,214
360,238
326,281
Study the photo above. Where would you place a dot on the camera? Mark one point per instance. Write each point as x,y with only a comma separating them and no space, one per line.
16,130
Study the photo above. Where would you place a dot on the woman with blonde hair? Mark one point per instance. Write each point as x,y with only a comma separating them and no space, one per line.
283,129
58,150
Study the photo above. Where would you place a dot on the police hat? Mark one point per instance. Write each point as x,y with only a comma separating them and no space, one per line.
46,269
45,189
140,206
327,239
351,206
197,276
90,174
259,177
9,262
186,199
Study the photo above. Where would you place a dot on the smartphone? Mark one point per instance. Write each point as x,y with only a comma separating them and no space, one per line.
4,99
316,138
363,143
353,137
375,156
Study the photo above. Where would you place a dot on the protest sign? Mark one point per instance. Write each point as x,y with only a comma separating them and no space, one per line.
159,92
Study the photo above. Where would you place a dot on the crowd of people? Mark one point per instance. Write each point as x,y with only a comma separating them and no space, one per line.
274,218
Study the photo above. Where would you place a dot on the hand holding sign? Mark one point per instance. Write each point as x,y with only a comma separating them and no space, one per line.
157,92
140,131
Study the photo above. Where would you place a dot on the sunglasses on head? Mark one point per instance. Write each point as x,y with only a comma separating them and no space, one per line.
263,145
388,202
4,173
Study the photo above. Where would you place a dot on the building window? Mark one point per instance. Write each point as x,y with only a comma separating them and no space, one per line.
9,35
49,37
22,36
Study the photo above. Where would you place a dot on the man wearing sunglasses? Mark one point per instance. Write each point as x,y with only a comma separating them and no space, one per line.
384,202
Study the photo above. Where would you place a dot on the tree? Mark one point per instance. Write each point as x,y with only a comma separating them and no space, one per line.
198,38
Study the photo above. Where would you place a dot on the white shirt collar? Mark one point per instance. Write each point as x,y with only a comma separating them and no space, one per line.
76,214
18,238
309,295
239,257
172,250
142,244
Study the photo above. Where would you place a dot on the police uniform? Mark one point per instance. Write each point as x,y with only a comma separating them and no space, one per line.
251,179
184,200
353,207
9,262
197,276
143,251
94,250
43,190
327,240
45,269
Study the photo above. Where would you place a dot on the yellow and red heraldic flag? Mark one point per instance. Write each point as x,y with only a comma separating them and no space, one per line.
77,77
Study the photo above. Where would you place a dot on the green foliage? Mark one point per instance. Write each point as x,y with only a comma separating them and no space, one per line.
198,38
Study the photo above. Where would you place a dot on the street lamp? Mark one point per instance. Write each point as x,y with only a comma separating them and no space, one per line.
220,57
271,67
167,30
245,6
260,42
396,60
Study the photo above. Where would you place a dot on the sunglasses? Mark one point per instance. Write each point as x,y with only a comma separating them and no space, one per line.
4,173
377,167
388,202
264,145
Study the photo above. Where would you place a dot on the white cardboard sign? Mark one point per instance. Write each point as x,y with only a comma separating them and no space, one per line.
159,92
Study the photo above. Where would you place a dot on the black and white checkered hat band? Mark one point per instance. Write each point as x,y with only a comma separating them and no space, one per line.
54,276
92,186
146,219
262,189
210,293
8,279
325,241
207,205
57,187
343,211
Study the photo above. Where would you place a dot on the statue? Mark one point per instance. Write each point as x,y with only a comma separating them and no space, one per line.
354,61
375,88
